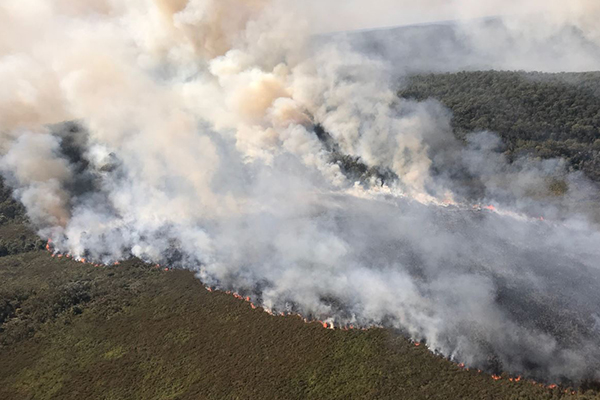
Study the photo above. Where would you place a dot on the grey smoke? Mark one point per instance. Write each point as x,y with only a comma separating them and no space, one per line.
202,152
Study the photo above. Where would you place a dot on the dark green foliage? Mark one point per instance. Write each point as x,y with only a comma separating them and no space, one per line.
72,331
15,235
548,115
10,210
356,170
20,245
352,167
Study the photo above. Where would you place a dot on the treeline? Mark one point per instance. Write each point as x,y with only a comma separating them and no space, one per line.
546,115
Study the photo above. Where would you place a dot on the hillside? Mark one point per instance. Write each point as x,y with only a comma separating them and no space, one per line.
71,331
544,115
133,331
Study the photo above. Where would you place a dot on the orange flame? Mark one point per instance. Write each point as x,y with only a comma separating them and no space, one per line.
496,377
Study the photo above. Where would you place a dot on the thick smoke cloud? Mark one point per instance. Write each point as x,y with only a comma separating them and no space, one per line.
211,135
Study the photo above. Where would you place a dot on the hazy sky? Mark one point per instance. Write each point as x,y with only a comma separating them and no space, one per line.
332,15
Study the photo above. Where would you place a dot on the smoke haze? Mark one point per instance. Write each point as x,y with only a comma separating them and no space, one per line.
441,36
206,136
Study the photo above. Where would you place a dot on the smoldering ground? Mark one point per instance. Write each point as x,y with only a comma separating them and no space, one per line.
223,139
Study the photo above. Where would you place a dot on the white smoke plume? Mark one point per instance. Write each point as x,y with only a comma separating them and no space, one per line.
211,135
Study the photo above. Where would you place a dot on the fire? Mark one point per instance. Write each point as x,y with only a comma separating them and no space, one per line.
330,325
491,208
448,202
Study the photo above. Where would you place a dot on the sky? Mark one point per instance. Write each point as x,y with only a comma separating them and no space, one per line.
337,15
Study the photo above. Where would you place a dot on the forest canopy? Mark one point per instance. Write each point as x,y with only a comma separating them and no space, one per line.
544,115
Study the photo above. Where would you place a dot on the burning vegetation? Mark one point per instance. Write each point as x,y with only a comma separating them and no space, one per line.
224,138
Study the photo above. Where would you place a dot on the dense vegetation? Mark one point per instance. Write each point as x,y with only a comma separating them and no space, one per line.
16,237
73,331
547,115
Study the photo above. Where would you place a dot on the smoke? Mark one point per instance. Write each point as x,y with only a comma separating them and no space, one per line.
550,36
220,137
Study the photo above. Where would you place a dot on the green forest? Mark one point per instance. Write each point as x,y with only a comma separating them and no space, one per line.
535,114
74,331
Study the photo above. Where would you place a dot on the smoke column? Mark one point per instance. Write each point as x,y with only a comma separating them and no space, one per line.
208,134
